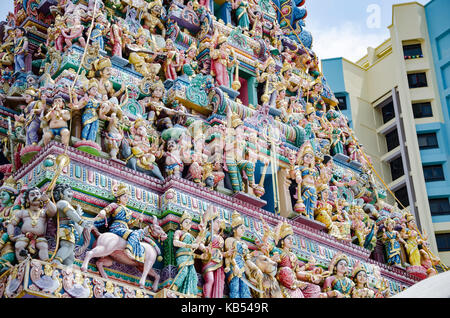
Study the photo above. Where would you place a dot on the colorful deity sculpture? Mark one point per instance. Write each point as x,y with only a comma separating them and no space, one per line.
103,68
57,119
114,135
8,194
235,157
212,269
32,220
73,33
305,174
270,78
186,280
90,103
20,50
361,288
242,18
235,264
152,18
119,220
172,61
70,224
220,60
33,112
338,285
392,239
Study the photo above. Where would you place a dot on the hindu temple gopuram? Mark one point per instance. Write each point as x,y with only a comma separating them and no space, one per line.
183,148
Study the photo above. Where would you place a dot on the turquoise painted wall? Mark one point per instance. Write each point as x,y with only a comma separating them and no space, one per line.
437,13
333,71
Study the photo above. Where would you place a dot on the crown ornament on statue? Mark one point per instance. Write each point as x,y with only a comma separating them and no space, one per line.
119,190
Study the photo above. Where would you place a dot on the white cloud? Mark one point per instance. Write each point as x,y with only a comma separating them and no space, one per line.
346,40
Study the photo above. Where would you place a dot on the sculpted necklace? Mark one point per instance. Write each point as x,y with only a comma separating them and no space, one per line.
34,216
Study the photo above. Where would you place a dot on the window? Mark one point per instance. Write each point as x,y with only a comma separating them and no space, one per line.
417,80
422,110
388,112
412,51
342,102
443,242
402,196
427,141
440,206
397,168
392,140
433,173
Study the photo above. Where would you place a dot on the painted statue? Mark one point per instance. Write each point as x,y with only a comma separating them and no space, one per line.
338,285
152,18
220,60
33,112
90,104
20,50
8,194
391,240
57,118
305,174
242,18
270,78
186,280
32,220
71,224
235,264
361,288
212,270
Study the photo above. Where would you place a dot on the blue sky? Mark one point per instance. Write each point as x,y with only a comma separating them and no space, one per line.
342,28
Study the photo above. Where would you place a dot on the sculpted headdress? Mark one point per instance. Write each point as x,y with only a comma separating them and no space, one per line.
236,219
120,190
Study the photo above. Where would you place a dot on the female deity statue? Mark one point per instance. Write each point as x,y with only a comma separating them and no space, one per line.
220,59
116,38
186,280
412,240
172,61
288,265
100,28
305,174
337,135
391,239
155,103
314,96
189,65
361,288
57,119
271,79
120,220
338,285
236,258
242,18
212,270
90,103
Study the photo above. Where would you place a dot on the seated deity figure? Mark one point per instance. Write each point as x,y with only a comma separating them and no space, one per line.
57,119
32,219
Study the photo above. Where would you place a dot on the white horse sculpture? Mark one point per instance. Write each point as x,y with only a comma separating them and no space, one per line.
110,247
437,286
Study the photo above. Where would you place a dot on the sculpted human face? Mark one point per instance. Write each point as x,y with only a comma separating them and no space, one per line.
34,196
28,98
361,278
341,267
239,231
68,194
106,72
5,197
158,92
123,199
288,241
307,159
186,225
